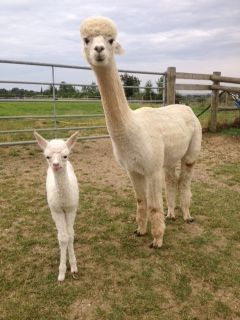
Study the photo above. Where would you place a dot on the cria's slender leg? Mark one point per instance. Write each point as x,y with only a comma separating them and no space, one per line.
185,189
155,208
70,218
139,185
63,238
171,187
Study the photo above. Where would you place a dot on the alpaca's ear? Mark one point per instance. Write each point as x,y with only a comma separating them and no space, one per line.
40,140
118,48
72,140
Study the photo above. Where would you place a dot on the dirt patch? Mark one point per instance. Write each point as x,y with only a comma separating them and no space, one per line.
83,310
94,163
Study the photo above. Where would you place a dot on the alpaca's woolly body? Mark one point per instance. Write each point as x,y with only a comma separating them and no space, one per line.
147,142
163,140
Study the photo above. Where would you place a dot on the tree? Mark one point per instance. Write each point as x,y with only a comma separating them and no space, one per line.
49,91
90,91
149,93
4,93
128,81
66,90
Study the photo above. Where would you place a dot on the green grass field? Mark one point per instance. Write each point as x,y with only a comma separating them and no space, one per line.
42,109
76,108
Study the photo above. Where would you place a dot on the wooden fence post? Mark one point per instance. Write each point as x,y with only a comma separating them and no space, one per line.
214,102
171,81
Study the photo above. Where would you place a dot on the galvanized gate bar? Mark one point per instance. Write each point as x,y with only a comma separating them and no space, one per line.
16,143
42,64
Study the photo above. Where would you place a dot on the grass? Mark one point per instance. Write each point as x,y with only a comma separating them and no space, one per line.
77,108
194,276
39,109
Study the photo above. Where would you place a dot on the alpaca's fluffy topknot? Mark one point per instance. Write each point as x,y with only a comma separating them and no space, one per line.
96,26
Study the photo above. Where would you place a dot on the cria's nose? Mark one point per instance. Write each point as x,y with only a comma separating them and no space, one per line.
99,49
56,165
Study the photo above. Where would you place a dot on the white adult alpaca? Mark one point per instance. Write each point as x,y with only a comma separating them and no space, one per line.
62,196
147,141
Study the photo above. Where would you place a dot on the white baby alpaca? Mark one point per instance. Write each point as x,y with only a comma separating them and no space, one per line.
62,195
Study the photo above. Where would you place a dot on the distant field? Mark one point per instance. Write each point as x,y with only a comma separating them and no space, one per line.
47,108
76,108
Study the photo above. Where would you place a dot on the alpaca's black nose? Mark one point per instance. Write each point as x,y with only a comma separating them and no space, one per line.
99,49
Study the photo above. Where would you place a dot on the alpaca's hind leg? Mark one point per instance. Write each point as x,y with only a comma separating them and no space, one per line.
139,185
70,218
171,186
155,208
60,221
185,189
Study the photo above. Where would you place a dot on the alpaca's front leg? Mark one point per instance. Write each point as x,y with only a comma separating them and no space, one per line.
139,184
63,238
155,208
70,218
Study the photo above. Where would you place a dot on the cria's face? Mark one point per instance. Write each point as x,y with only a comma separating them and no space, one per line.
56,156
99,50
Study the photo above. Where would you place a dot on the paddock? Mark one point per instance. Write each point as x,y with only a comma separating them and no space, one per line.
195,275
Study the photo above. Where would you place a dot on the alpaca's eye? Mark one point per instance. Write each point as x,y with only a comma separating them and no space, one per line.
65,157
48,157
86,40
111,41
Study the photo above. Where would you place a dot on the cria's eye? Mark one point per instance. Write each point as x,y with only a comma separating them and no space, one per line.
86,40
48,157
65,157
111,41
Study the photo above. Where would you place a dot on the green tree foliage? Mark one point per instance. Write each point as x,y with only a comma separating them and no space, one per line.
128,81
49,91
90,91
148,92
66,90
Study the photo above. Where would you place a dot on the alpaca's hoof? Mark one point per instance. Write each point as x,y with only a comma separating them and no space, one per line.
61,278
75,275
139,234
189,220
74,268
156,244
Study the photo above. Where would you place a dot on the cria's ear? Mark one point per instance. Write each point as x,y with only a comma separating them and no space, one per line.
40,140
72,140
118,48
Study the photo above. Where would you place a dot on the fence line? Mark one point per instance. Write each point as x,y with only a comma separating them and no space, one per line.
215,87
55,65
54,100
169,88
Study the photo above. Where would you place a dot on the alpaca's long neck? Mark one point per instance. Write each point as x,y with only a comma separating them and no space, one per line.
62,180
116,109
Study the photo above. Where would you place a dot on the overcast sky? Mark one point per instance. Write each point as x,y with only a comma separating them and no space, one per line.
195,36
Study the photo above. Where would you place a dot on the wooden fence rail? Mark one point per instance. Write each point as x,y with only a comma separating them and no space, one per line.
215,86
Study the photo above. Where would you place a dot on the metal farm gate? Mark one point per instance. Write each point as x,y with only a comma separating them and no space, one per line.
54,100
